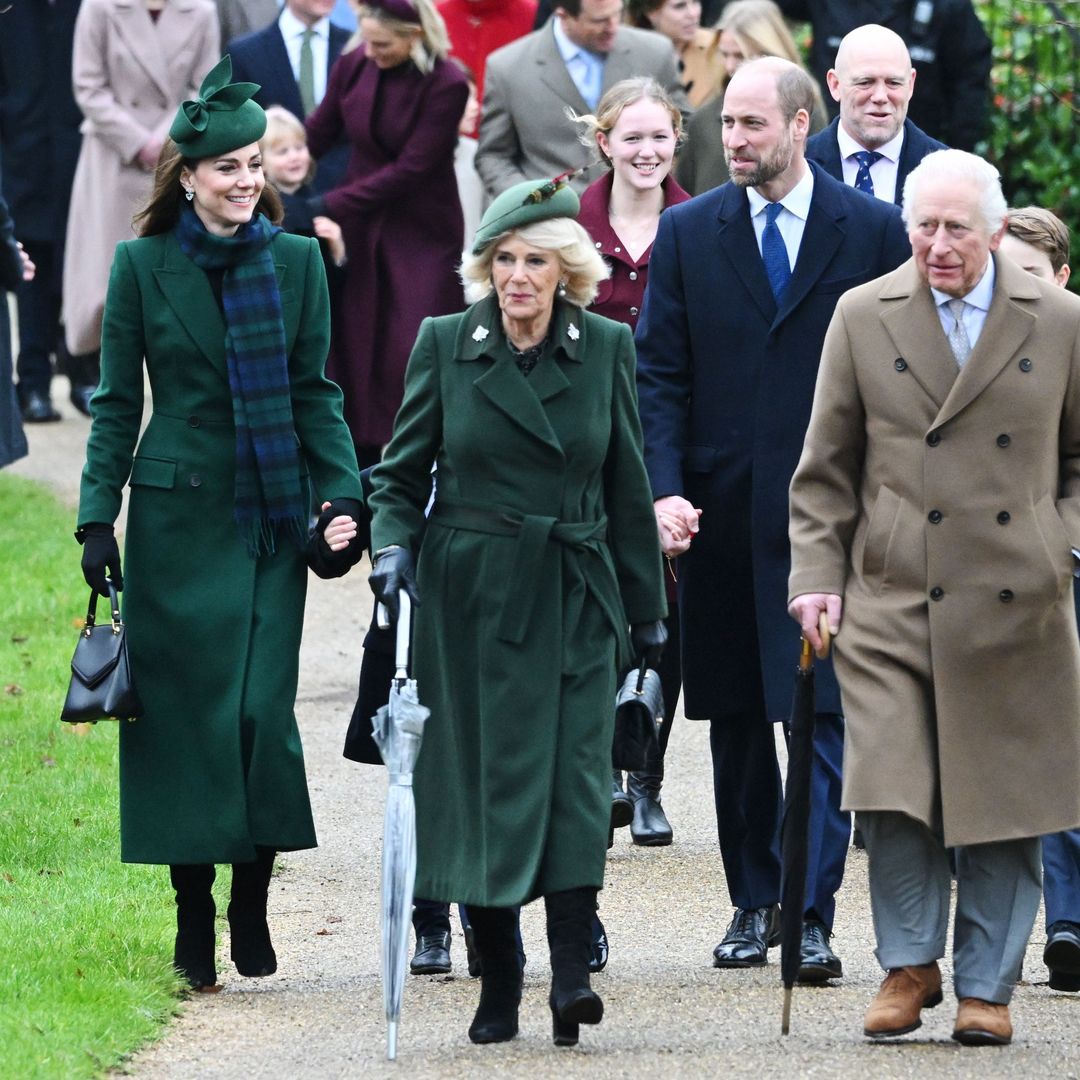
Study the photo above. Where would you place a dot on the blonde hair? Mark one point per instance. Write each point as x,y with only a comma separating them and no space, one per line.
281,125
761,30
432,44
618,97
1042,230
581,266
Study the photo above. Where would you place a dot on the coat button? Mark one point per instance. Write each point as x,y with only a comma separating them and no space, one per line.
900,364
937,592
194,421
633,275
633,311
934,517
617,248
196,480
1005,596
933,438
598,244
1004,517
1025,364
1003,440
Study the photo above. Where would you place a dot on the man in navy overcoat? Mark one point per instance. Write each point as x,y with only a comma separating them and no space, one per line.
872,145
271,58
728,347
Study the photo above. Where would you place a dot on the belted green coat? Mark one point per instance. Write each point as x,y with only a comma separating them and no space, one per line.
215,766
540,548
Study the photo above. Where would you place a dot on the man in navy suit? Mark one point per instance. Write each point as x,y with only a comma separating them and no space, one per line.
872,145
742,284
291,60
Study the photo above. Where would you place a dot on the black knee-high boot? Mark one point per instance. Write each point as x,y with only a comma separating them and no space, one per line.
252,950
569,918
495,936
193,955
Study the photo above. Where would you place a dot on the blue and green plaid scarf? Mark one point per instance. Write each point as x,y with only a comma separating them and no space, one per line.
269,495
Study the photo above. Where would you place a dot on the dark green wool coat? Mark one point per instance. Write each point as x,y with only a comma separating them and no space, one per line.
540,549
215,766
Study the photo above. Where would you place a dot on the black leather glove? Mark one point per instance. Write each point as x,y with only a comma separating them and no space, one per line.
334,564
648,640
101,556
394,569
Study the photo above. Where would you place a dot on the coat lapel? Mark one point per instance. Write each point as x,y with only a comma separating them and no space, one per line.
739,245
134,25
278,62
915,329
188,293
551,69
1007,326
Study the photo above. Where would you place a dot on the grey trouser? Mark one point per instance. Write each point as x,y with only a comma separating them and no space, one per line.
998,887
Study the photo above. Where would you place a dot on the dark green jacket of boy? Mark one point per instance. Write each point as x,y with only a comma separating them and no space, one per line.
540,549
215,766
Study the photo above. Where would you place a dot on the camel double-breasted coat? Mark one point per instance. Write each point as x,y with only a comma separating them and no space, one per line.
541,547
130,75
943,504
215,766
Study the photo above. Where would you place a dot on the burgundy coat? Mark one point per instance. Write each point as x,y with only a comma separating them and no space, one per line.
619,297
399,211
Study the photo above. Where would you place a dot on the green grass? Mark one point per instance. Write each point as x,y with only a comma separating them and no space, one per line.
85,941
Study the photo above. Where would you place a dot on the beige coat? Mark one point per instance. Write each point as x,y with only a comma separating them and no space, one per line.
129,75
943,507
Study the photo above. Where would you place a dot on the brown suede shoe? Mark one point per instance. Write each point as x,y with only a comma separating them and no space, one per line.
982,1023
903,995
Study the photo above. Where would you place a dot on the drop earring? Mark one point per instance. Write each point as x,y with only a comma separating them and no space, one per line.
562,288
189,194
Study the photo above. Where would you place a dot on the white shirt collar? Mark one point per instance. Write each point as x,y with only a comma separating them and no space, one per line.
292,27
848,146
979,297
797,200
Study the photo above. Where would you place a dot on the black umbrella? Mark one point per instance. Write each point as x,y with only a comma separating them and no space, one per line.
795,826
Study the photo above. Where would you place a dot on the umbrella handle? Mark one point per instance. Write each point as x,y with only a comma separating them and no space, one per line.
404,632
826,635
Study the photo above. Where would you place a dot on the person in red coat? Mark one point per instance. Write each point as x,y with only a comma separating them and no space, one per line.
637,128
479,27
398,100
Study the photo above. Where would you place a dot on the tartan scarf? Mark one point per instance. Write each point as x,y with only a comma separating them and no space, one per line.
268,492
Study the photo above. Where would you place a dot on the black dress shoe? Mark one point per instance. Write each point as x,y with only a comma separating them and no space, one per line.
650,827
81,395
622,806
1062,956
748,937
598,947
432,956
38,409
817,962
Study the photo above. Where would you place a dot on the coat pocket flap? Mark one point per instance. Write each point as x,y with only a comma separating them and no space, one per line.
153,472
699,459
96,655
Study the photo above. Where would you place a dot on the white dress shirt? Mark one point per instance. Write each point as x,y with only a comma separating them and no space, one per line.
883,172
791,221
585,68
292,30
976,305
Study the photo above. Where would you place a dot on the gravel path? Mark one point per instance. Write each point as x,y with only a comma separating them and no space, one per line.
668,1011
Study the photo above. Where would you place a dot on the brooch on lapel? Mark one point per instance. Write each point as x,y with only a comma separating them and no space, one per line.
480,333
572,332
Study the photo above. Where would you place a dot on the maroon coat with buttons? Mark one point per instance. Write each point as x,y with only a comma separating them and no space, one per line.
942,505
619,297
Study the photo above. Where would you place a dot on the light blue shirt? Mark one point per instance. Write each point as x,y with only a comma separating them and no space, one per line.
292,30
976,305
791,221
584,67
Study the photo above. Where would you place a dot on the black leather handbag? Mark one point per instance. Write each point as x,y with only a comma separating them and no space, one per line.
101,686
639,711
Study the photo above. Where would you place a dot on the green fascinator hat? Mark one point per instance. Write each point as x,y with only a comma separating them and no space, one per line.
222,118
524,204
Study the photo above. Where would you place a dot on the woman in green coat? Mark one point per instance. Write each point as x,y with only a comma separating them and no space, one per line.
540,551
230,316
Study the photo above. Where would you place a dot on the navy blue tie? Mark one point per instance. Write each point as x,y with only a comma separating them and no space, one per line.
863,180
774,253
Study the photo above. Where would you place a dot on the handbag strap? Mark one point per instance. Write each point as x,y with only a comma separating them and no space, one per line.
641,677
114,604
